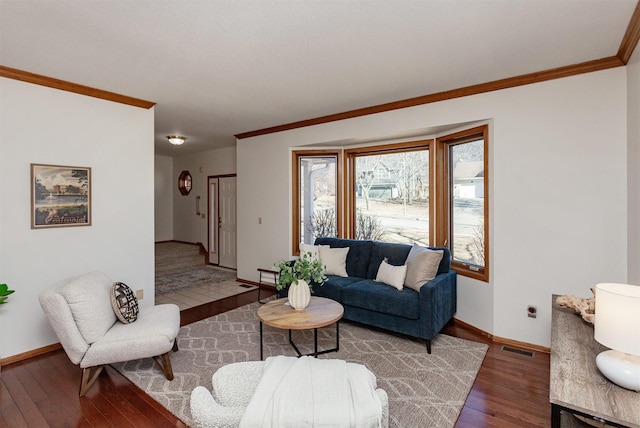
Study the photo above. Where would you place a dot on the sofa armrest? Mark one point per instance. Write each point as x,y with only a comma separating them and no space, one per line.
438,301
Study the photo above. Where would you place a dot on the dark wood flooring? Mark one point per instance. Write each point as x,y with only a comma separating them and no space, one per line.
511,390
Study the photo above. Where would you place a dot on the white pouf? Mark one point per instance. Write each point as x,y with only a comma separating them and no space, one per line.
233,388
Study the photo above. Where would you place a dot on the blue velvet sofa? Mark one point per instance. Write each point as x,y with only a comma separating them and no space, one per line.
419,314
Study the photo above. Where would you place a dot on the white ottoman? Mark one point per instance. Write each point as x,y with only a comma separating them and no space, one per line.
233,387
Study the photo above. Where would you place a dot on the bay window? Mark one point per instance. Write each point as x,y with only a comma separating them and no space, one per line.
427,192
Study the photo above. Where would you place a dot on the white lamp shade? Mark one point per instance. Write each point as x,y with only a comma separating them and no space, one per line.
617,319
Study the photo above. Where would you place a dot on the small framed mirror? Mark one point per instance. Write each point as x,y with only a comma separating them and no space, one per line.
185,182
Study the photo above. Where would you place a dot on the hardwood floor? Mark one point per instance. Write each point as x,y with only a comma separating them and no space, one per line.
511,390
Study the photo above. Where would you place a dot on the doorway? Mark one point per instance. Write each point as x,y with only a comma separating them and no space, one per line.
222,221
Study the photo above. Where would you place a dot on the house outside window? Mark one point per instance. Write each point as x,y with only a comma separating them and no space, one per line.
463,200
391,194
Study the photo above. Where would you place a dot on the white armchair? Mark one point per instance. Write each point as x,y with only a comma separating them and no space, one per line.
79,310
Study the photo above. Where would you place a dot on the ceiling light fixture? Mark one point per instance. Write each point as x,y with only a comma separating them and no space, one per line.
176,140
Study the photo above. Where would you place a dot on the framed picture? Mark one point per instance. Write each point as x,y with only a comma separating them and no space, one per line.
60,196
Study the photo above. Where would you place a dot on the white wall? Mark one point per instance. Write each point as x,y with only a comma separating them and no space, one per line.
187,226
43,125
633,167
164,185
558,193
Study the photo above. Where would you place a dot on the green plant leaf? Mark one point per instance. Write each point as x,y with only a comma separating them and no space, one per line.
305,268
4,291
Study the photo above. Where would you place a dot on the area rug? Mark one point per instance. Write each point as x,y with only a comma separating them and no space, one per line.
424,390
173,282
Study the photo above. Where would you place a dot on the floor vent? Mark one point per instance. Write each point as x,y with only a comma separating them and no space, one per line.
245,285
519,351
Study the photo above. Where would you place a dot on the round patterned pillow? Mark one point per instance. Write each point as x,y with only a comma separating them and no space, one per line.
124,302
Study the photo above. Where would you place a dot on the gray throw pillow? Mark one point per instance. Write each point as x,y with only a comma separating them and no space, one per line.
422,266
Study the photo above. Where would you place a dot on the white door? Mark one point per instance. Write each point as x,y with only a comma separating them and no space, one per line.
227,229
213,221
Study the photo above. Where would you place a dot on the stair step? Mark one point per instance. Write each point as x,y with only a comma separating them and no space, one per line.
176,256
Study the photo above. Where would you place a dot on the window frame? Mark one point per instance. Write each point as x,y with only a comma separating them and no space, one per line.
295,168
350,156
444,199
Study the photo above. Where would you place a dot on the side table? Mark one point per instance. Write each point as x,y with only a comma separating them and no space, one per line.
268,271
576,385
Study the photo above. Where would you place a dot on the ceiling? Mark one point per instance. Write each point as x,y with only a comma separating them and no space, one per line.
220,68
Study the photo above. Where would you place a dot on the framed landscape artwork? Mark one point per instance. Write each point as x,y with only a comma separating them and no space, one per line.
60,196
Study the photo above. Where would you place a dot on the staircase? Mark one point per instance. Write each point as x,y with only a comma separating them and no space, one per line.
178,256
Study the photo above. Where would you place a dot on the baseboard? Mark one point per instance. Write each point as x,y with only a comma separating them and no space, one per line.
471,328
246,281
263,285
522,345
30,354
501,340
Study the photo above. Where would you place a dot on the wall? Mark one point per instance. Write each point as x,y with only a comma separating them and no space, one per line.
187,226
43,125
633,166
164,186
558,193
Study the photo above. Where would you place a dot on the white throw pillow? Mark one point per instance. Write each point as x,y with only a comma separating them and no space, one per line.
313,249
391,275
422,266
334,260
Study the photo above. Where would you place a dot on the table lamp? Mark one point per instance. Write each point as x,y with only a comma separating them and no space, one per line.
617,326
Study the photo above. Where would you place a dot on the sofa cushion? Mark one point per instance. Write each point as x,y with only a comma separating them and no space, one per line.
333,286
89,299
391,275
396,255
377,297
334,260
152,334
358,257
422,266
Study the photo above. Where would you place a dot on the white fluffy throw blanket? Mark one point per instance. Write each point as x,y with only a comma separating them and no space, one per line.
308,392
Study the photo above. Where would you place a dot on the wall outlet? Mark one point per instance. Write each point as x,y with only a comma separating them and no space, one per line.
139,294
532,311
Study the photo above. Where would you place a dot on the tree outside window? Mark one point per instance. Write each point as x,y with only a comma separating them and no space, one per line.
391,193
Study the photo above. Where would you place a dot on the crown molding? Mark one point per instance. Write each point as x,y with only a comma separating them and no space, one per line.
496,85
37,79
631,37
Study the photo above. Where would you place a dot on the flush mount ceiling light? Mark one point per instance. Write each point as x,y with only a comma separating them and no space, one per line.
176,140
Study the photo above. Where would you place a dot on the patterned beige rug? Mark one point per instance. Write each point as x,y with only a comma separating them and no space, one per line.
424,390
194,277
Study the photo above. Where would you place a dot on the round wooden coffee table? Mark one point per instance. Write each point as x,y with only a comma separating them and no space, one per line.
321,312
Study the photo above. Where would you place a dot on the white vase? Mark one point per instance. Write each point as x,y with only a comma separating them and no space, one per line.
299,295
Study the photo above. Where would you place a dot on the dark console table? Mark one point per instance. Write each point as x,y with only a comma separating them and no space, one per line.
576,383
